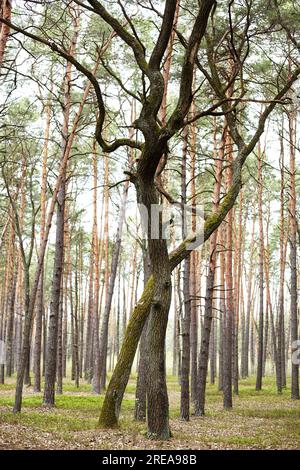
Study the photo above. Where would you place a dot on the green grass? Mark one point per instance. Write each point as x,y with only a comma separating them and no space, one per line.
258,419
48,421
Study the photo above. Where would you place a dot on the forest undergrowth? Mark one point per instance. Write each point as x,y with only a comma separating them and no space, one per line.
258,420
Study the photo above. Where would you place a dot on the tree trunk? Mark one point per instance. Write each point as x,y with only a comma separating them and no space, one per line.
206,331
59,368
280,346
10,325
228,319
260,350
175,335
51,354
186,319
222,232
5,12
193,263
141,384
40,293
208,309
293,257
246,342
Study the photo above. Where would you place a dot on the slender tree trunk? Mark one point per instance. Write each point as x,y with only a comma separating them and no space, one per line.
237,290
259,371
59,368
111,285
92,329
280,347
51,355
5,12
268,293
40,293
56,297
205,334
76,329
175,335
186,319
10,324
246,343
208,309
24,353
113,270
293,257
166,78
103,254
228,320
180,313
8,298
193,263
212,350
65,328
222,232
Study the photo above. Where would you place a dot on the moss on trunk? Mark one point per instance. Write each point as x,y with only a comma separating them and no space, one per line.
112,402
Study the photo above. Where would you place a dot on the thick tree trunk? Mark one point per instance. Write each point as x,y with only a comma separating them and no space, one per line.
157,396
141,384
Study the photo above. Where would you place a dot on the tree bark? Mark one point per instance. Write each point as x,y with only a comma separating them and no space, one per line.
5,12
228,319
186,318
208,309
40,293
259,371
141,384
56,297
51,354
293,256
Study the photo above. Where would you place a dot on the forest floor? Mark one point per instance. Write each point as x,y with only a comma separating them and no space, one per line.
258,420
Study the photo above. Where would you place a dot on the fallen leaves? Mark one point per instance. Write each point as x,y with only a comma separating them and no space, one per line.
263,421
